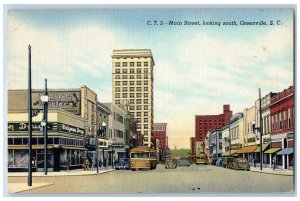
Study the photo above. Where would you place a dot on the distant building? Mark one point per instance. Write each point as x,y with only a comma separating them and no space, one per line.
205,123
160,133
192,154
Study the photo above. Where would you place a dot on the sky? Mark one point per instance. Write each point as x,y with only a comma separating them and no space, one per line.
197,68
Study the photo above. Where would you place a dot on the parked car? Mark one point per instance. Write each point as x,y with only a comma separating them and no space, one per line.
226,162
183,162
219,161
239,164
123,164
171,163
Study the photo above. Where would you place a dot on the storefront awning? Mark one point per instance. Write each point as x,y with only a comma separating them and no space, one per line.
77,148
264,146
247,149
226,153
272,150
26,147
286,151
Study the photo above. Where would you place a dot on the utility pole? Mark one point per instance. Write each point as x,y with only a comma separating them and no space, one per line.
260,130
45,130
29,120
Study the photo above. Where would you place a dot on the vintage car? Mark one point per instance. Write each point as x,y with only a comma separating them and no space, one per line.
239,164
219,161
171,163
226,162
123,164
183,162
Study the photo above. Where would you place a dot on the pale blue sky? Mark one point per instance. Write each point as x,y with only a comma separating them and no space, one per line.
198,68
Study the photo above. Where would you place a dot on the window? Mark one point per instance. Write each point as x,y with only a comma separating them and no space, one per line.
139,88
145,82
117,83
124,95
138,64
131,82
117,71
145,63
124,70
145,107
131,76
145,126
145,95
139,70
131,88
139,107
146,76
138,114
146,120
117,77
139,95
117,95
145,88
117,64
145,70
117,102
131,107
124,82
131,95
124,64
139,76
131,101
131,63
117,89
139,121
131,70
146,133
139,82
145,114
124,76
145,101
139,101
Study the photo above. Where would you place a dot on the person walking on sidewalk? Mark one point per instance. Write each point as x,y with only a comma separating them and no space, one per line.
100,164
254,162
274,163
68,163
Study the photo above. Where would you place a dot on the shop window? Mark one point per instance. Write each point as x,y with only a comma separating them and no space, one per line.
10,141
56,140
40,140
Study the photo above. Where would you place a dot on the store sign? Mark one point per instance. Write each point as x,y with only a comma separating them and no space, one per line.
67,100
23,126
251,140
71,129
117,145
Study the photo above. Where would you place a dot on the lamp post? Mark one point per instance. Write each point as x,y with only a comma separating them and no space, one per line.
229,139
44,100
29,120
260,130
101,132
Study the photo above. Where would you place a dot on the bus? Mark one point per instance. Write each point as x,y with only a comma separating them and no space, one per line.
201,158
143,157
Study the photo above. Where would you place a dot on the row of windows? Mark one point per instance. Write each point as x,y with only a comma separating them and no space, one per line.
132,101
118,118
131,71
40,141
118,83
131,95
125,64
125,89
211,120
145,126
282,120
146,76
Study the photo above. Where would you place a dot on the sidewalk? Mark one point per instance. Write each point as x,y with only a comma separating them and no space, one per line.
22,187
78,172
271,171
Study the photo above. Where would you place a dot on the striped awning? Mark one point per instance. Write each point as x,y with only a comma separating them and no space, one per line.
272,150
247,149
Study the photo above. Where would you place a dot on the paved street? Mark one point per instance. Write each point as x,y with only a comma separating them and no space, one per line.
193,179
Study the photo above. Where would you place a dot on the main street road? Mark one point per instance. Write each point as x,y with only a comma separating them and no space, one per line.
194,179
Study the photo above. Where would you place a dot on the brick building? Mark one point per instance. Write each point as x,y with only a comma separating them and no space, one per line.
205,123
160,133
282,126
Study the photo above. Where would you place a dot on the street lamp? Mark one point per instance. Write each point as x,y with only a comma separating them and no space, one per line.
44,100
29,119
101,132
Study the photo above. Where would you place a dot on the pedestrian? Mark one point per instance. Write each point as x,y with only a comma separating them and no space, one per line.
100,164
274,163
68,164
104,163
254,162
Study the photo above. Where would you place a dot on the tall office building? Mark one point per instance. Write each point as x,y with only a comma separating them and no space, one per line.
132,87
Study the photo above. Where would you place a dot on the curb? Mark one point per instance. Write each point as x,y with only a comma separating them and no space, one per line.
274,173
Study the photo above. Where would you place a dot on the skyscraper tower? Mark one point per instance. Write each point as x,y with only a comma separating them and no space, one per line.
132,87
